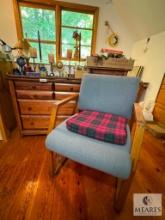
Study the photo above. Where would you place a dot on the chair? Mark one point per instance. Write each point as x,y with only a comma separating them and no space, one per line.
111,94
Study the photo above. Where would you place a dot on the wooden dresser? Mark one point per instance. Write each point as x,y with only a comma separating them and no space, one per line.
33,99
7,118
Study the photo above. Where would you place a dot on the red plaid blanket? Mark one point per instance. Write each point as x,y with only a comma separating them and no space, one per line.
102,126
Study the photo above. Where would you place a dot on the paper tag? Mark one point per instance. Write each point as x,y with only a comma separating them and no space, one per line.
43,80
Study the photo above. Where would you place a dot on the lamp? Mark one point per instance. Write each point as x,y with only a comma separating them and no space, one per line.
5,47
23,47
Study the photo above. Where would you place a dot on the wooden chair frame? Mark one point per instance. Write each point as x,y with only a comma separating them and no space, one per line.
137,130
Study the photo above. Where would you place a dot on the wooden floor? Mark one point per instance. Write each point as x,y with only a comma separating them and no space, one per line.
78,193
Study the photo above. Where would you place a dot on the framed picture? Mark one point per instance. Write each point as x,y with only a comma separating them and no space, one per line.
136,71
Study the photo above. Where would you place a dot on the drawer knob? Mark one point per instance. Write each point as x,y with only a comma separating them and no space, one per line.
71,88
31,123
33,87
29,108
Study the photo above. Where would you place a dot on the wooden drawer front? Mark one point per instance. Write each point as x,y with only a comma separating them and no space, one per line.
35,122
61,119
67,87
33,86
24,94
63,95
39,122
35,107
67,109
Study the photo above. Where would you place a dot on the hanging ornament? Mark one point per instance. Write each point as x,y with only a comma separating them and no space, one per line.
113,38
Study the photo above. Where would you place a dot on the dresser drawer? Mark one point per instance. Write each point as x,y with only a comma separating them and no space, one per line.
33,86
67,87
32,94
43,107
39,122
67,109
61,119
32,107
35,122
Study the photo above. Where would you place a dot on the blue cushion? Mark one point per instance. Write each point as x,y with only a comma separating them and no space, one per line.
111,94
109,158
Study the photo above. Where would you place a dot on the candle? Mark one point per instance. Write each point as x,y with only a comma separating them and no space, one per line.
39,46
51,57
69,54
33,52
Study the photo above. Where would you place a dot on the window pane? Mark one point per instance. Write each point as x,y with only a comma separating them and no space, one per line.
46,49
67,36
76,19
86,37
85,51
34,19
65,47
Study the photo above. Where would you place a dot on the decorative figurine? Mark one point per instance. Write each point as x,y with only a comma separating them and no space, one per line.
21,62
77,53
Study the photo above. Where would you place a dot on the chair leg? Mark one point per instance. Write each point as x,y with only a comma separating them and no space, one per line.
57,162
121,193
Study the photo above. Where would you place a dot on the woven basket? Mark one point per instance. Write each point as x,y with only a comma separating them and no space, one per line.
115,63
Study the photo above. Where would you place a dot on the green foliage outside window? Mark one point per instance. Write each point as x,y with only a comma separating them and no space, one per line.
82,22
38,19
34,19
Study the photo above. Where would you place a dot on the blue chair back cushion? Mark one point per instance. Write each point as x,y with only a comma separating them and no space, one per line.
111,94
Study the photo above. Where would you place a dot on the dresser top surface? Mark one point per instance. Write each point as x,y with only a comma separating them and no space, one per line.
40,79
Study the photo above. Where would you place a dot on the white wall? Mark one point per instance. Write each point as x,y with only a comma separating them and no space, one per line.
143,18
107,12
7,22
153,62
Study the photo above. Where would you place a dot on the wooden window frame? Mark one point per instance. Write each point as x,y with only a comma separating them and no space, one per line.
57,6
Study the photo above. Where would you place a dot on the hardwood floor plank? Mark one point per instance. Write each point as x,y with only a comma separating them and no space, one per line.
77,193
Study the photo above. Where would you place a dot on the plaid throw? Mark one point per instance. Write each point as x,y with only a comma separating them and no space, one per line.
102,126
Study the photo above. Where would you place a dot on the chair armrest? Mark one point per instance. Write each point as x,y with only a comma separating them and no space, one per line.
55,108
138,114
138,128
69,98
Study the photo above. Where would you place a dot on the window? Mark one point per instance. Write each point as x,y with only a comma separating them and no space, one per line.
80,22
42,20
56,23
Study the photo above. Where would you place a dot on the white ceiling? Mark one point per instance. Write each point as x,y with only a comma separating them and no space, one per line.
142,18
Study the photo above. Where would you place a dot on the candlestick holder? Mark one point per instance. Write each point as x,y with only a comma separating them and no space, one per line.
69,69
51,69
34,64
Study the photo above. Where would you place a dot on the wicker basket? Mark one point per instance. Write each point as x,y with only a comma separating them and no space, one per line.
115,63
